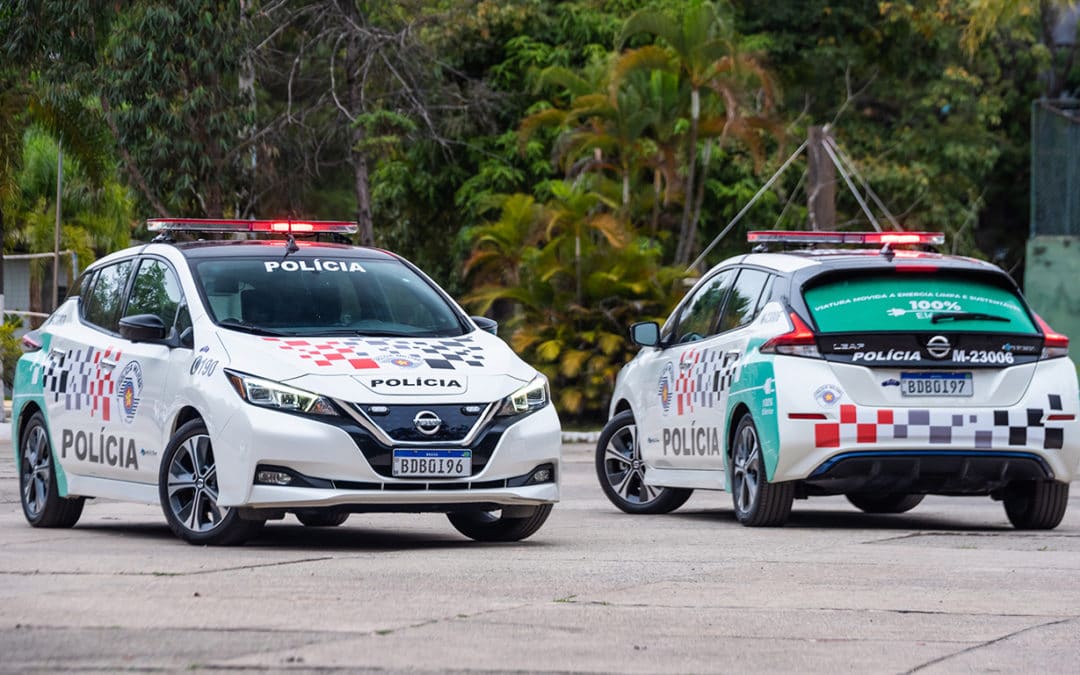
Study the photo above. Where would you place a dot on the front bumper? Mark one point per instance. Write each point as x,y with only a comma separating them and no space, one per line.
351,467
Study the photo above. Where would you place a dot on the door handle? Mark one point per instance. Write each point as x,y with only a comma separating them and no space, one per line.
686,365
108,364
56,353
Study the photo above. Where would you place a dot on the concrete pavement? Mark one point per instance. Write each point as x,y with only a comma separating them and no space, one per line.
949,587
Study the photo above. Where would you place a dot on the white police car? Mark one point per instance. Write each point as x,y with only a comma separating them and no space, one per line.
236,381
883,375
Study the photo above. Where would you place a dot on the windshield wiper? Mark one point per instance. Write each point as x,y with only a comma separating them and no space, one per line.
938,317
236,324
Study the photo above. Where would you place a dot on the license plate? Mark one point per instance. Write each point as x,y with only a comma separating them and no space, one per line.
936,384
432,463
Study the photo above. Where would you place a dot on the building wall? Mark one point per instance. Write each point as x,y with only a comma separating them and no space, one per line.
1052,282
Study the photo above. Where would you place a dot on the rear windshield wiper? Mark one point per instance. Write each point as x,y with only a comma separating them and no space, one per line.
236,324
938,317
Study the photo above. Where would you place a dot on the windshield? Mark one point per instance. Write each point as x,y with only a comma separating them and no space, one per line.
916,302
323,296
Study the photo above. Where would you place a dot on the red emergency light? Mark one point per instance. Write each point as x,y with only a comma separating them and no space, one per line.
228,225
865,238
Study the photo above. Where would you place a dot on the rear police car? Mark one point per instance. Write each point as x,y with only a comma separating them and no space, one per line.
237,381
880,374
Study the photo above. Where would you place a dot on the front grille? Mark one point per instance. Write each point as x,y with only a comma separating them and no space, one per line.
397,421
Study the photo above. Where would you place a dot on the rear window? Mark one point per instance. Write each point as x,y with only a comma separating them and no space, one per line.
916,302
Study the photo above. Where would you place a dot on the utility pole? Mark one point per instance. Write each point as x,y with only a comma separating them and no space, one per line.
3,316
821,182
56,229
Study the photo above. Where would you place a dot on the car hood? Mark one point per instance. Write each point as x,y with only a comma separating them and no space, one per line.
475,367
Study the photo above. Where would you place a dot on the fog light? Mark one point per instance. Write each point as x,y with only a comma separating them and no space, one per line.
541,476
273,478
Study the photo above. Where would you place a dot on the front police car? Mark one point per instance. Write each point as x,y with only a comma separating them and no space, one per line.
308,378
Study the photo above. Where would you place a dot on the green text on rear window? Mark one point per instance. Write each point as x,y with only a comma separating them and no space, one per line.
921,302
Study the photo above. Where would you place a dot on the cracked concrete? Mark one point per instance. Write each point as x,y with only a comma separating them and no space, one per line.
947,588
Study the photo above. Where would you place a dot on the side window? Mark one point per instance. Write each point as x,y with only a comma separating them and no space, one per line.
742,304
155,291
78,289
107,295
698,317
766,294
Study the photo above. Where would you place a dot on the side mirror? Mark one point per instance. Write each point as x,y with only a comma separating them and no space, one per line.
142,328
486,324
645,333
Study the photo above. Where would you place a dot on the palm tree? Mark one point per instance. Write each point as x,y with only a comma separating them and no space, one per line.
705,48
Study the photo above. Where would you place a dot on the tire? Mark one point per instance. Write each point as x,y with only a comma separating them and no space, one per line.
886,502
187,486
1036,505
758,503
40,496
491,526
322,518
622,472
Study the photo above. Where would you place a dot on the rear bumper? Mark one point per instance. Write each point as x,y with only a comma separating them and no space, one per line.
925,471
958,447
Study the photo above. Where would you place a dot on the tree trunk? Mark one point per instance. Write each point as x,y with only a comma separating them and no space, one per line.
356,154
657,185
682,249
363,194
699,199
245,198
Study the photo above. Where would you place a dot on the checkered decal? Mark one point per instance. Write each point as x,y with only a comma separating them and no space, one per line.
702,375
443,354
78,380
981,430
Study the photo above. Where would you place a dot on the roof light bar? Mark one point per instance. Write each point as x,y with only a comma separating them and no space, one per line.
227,225
878,238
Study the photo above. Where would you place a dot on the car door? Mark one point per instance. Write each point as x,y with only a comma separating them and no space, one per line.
145,371
723,369
676,416
80,376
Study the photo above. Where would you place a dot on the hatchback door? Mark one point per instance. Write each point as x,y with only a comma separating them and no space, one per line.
913,335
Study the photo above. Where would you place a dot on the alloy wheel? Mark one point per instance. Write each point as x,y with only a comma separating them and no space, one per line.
36,465
624,470
193,488
746,470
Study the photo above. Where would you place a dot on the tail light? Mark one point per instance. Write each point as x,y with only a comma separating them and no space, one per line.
799,341
1054,344
31,341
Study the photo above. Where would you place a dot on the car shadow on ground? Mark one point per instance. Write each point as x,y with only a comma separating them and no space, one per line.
286,536
841,520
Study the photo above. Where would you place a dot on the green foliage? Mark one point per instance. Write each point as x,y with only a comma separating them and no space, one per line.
173,94
576,277
10,349
96,218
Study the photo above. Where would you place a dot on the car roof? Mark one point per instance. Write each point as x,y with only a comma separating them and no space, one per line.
249,247
822,260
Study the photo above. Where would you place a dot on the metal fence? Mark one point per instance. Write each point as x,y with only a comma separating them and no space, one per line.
1055,168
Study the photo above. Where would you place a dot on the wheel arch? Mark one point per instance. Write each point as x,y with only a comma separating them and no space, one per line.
621,406
734,418
185,415
25,414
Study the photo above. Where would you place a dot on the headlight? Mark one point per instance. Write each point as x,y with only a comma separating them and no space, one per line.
267,394
533,396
